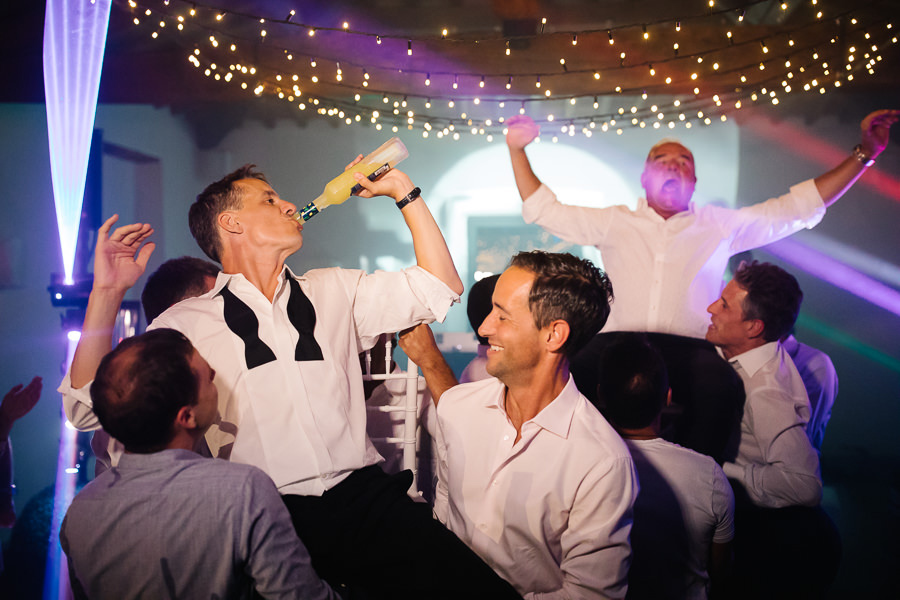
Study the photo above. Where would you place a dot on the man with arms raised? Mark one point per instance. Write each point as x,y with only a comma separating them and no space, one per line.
668,256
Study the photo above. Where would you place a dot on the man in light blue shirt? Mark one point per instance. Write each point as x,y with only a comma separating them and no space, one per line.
166,522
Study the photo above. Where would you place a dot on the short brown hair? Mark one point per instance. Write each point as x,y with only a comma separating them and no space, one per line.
218,197
569,288
773,297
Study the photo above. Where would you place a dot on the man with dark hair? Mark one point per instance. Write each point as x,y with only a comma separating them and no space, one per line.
478,306
175,280
774,462
684,515
530,475
782,530
668,256
166,522
291,401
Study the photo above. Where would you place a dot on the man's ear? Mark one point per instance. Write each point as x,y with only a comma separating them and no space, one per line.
227,220
557,334
185,418
754,328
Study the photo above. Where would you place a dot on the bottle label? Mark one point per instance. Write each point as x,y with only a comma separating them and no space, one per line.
309,211
375,175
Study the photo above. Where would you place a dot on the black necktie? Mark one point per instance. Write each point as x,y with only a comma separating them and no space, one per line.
242,322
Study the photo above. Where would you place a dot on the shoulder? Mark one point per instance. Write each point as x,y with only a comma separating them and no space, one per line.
591,428
330,274
466,395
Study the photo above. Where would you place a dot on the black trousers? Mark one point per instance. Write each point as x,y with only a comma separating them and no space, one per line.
367,537
707,393
790,553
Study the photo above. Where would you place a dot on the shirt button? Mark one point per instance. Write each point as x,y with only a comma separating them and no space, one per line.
505,438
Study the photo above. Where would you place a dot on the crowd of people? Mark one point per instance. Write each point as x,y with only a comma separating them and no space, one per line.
642,432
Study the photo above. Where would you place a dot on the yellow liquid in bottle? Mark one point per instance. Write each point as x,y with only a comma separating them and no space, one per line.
344,185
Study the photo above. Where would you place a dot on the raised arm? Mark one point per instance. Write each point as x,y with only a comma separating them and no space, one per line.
419,345
521,131
875,132
119,260
16,404
430,247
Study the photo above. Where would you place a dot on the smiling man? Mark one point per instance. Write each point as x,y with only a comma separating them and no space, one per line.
530,475
667,259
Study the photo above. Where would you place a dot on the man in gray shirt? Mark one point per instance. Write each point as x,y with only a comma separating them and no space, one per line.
166,522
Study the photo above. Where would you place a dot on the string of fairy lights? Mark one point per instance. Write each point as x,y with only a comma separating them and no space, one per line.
669,81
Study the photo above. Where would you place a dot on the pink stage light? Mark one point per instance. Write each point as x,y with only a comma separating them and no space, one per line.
836,273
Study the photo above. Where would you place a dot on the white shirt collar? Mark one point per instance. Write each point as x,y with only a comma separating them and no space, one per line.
556,417
644,207
753,360
224,279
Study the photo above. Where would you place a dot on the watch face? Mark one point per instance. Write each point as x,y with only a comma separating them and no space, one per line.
859,155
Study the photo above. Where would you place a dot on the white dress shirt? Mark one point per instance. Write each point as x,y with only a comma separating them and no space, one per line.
665,272
550,513
775,463
302,422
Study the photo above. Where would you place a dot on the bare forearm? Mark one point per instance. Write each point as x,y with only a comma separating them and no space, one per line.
419,345
96,334
833,184
526,181
430,247
439,376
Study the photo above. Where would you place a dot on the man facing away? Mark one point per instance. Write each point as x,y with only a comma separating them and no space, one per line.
166,522
774,470
284,348
668,257
684,515
530,475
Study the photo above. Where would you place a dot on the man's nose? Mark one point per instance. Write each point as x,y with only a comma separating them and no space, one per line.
484,330
288,208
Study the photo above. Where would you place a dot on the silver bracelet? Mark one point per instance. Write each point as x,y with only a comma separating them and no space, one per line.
864,160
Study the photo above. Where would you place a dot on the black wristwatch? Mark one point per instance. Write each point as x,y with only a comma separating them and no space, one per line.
409,198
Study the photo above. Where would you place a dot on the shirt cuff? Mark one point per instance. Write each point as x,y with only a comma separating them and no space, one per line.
536,203
434,293
78,406
809,201
733,471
